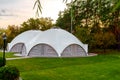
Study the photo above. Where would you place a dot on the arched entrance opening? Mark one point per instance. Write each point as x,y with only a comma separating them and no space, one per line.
73,50
43,50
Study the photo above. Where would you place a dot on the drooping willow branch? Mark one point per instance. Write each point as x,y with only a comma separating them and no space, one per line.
39,7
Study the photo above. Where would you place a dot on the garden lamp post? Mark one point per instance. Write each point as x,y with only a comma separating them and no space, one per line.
4,47
71,16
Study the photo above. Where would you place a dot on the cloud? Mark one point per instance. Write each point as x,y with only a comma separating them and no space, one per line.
5,12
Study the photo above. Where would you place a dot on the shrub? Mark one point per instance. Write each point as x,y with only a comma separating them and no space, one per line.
1,73
1,62
9,73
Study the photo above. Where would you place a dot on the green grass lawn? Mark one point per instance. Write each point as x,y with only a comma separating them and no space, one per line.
101,67
7,54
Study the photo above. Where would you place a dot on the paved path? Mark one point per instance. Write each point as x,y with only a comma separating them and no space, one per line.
90,54
17,58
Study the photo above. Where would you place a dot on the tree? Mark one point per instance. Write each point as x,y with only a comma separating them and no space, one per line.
83,34
104,40
115,21
11,32
117,5
1,40
94,15
36,24
64,20
46,23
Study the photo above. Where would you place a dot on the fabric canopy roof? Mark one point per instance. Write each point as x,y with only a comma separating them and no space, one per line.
58,39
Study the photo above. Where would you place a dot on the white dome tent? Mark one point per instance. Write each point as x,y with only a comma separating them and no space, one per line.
49,43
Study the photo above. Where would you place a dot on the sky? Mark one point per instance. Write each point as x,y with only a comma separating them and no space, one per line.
15,12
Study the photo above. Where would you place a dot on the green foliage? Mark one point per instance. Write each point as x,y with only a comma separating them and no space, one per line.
1,40
104,40
9,73
83,34
11,32
64,20
36,24
30,24
117,5
1,62
8,54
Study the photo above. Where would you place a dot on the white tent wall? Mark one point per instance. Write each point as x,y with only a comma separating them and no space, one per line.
42,50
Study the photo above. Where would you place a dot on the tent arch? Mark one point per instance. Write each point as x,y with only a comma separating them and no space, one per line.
24,37
73,50
42,50
18,48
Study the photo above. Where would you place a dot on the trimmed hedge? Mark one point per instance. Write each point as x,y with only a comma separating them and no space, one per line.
9,73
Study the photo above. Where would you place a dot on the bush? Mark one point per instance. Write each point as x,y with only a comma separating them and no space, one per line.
1,62
1,73
9,73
